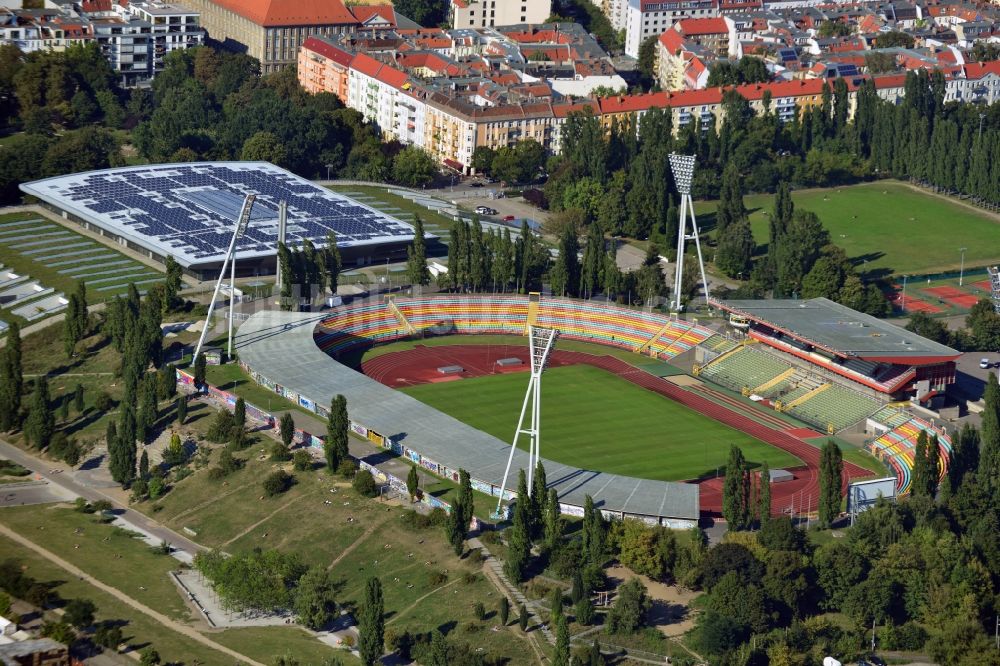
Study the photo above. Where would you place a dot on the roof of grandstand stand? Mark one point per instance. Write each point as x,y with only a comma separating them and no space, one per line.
189,210
280,346
841,330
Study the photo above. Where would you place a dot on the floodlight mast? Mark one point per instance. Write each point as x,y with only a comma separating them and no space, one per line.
682,167
540,341
241,226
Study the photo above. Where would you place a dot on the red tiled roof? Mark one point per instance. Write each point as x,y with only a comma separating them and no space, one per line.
367,12
366,64
632,103
672,41
702,26
891,81
977,70
328,50
271,13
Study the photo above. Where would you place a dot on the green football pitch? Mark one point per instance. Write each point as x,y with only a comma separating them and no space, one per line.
596,420
889,228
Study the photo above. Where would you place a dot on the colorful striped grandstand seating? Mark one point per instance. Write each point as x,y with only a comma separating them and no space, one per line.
507,315
836,406
744,368
897,446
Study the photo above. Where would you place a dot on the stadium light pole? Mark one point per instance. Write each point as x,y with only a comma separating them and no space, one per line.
241,226
961,266
682,167
540,341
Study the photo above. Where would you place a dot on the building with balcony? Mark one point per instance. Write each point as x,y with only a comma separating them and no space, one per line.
490,13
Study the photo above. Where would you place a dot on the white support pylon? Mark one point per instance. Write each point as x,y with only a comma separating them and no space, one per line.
540,341
682,167
241,225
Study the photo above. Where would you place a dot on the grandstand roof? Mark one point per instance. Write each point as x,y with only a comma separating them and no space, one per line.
189,210
842,331
280,346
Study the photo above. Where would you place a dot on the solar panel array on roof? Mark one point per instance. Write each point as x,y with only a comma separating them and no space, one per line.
188,210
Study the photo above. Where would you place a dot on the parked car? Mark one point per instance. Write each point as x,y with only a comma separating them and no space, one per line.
984,363
508,218
476,183
486,210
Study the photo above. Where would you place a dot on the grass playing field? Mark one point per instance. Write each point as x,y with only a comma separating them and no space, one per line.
888,227
593,419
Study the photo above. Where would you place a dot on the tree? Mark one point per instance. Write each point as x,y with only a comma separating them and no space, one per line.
11,379
831,469
764,497
735,491
41,423
314,600
240,414
180,405
79,613
331,262
631,603
335,448
730,209
173,284
371,623
149,657
412,483
466,501
561,655
277,482
734,255
265,147
504,610
522,617
455,529
595,534
416,256
144,466
989,438
286,428
519,539
553,522
414,167
199,370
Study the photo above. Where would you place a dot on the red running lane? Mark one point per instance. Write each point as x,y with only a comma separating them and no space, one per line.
420,366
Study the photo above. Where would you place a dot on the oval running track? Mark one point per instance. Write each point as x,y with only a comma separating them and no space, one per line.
420,366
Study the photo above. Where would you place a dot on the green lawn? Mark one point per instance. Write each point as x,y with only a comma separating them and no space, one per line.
895,229
593,419
139,630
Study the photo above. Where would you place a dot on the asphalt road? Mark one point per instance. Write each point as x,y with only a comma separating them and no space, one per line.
38,492
62,479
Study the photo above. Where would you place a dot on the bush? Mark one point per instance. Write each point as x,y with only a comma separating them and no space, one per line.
436,578
479,610
175,454
108,636
8,468
156,487
79,613
103,402
280,452
535,197
302,461
347,468
364,483
277,482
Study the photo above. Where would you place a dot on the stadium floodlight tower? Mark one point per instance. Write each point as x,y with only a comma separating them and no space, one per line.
540,341
241,226
682,167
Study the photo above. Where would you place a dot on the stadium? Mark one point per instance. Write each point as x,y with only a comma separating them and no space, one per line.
640,408
188,211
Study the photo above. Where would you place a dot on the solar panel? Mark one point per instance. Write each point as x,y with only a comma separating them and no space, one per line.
190,209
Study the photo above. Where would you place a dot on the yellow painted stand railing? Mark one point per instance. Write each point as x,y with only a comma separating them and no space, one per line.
774,382
391,302
533,299
808,396
656,336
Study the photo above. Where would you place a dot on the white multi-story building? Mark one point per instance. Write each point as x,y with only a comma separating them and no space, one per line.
651,18
489,13
171,28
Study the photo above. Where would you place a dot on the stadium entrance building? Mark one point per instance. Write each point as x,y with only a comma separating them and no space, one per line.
868,354
189,211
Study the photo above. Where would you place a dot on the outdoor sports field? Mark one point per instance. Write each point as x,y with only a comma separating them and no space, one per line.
890,227
594,419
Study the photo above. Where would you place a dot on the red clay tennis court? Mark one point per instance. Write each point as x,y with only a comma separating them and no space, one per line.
953,295
912,304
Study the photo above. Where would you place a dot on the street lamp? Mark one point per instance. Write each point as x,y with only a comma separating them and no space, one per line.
328,167
961,266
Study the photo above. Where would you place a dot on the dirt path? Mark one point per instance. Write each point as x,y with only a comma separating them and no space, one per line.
263,520
124,598
670,613
357,542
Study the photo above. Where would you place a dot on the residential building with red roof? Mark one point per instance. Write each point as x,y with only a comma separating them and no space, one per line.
650,18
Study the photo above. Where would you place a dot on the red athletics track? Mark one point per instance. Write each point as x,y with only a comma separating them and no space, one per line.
419,366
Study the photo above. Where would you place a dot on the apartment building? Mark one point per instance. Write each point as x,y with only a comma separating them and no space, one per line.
651,18
489,13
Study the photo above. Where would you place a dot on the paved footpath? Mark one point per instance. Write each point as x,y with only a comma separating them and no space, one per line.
64,479
124,598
